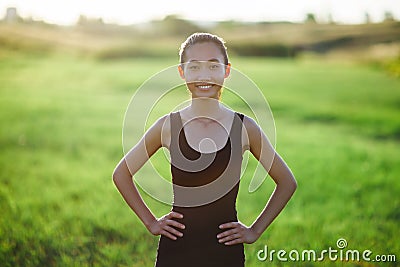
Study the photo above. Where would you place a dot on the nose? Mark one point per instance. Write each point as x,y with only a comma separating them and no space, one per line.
203,78
204,75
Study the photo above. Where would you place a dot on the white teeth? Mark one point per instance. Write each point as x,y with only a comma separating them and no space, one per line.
204,86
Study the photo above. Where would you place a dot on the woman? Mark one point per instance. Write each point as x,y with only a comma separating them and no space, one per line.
206,142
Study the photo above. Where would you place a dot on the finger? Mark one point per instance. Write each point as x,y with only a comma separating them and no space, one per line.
167,234
175,224
234,242
174,214
228,225
173,231
229,238
226,233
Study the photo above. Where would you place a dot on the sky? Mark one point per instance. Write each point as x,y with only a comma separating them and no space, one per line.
66,12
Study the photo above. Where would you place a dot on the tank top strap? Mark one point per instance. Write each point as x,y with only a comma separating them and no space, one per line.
176,127
241,116
236,133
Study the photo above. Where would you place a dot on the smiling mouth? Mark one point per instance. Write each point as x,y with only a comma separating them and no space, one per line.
204,86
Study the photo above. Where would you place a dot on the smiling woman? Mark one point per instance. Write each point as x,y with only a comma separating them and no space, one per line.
206,141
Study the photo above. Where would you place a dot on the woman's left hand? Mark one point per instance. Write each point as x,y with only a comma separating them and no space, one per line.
237,233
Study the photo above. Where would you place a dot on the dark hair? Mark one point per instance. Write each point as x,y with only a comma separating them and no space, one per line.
202,37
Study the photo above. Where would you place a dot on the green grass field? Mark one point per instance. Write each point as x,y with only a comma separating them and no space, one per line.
338,128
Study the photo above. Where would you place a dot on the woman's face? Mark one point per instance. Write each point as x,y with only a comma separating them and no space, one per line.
204,70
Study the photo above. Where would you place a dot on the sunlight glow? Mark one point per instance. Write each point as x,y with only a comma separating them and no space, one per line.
127,12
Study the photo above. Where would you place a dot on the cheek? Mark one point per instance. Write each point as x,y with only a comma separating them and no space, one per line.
219,77
190,76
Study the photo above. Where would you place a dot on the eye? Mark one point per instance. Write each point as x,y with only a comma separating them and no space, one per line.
193,67
215,66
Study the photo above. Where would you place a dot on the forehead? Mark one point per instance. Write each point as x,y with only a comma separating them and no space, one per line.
203,52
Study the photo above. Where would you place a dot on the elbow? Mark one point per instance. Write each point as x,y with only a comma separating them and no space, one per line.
120,176
289,185
115,177
293,184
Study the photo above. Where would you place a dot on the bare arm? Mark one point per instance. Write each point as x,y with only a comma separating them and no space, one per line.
286,184
123,179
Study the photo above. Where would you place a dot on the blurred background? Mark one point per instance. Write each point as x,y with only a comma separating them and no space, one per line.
329,69
110,30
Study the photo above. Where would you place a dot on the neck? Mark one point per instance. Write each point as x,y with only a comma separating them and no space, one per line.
205,107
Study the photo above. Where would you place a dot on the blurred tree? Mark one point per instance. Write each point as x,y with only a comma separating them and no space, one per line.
330,19
12,16
173,24
388,17
310,18
367,18
83,20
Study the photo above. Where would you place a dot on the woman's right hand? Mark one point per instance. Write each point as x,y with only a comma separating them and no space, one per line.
165,226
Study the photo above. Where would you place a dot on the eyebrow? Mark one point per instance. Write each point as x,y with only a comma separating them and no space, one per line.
210,60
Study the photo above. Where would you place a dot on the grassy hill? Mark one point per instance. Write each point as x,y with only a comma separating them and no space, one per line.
244,39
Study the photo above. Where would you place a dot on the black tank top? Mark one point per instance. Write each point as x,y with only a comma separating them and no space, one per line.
205,187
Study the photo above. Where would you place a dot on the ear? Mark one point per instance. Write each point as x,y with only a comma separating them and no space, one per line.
227,70
181,73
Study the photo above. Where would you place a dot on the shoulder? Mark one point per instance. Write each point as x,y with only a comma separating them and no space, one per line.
248,122
250,131
250,125
157,131
160,123
164,125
